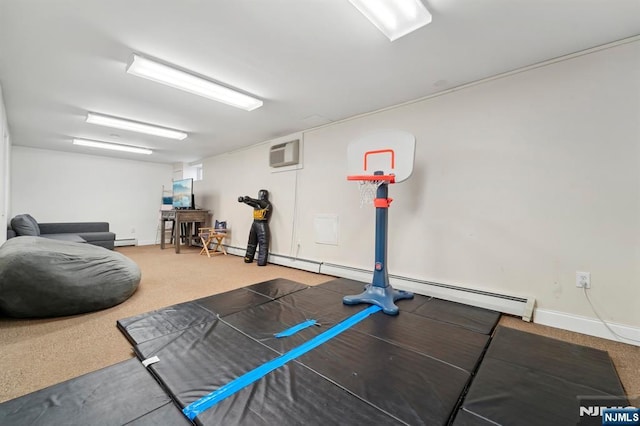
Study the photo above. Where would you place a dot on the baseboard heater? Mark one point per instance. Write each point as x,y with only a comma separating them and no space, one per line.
519,306
514,305
282,260
296,262
126,242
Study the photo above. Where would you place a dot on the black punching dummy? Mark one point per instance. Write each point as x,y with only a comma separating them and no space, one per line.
259,233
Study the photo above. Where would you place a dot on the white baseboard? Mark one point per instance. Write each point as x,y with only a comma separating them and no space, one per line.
236,251
343,272
292,262
278,259
586,325
147,242
513,305
125,242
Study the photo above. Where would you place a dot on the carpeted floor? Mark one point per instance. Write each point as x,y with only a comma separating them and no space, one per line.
39,353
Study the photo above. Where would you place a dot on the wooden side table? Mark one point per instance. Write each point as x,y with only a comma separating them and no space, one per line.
191,217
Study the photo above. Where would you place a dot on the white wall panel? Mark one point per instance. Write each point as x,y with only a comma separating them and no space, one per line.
5,178
518,182
65,187
244,173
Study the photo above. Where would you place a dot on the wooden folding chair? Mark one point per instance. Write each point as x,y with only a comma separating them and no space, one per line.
209,236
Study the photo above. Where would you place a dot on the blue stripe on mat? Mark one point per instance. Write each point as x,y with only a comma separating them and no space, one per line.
208,401
293,330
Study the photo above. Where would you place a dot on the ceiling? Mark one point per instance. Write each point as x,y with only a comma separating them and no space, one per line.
310,61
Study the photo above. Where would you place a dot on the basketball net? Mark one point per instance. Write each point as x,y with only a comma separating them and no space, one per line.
368,190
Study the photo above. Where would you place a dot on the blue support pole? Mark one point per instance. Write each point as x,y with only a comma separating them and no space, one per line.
380,292
380,274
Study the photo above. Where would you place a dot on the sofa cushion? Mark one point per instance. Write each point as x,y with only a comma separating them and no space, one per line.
74,238
25,224
73,227
97,236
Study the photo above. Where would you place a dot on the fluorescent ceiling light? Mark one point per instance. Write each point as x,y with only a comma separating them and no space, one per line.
155,71
114,147
134,126
395,18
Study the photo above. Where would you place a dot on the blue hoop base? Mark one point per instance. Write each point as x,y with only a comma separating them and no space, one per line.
380,296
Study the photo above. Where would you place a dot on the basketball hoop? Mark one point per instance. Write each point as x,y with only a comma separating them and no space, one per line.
368,186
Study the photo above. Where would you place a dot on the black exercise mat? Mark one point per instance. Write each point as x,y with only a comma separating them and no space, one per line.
294,395
263,322
529,379
168,414
454,345
115,395
150,325
471,317
343,286
277,287
199,360
392,376
407,367
465,418
412,387
508,394
318,301
232,301
574,363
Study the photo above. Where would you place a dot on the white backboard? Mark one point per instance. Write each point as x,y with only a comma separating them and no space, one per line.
389,151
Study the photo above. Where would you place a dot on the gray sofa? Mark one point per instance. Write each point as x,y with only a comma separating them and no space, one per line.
95,233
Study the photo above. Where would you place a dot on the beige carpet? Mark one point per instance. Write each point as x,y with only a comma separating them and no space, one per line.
40,353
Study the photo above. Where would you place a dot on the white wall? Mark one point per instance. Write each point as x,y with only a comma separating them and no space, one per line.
5,151
65,187
244,173
518,183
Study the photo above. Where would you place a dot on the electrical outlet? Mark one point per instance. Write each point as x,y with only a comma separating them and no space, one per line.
583,279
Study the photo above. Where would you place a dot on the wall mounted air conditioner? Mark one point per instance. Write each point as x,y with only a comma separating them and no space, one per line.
284,154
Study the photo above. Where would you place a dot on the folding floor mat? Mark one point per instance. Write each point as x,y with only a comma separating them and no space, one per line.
266,354
528,379
141,328
407,369
122,394
473,318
